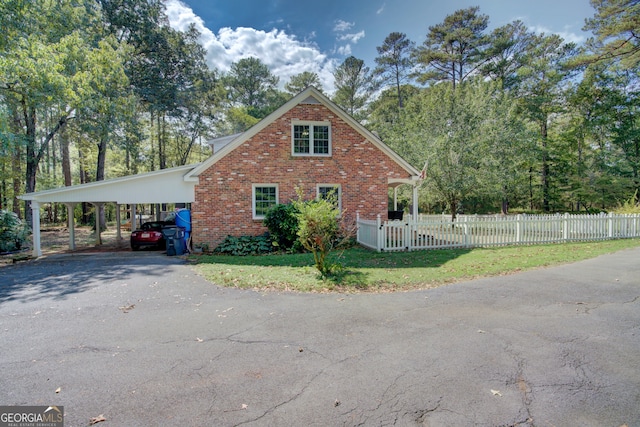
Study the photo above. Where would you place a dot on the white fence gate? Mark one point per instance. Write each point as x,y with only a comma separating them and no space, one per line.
435,231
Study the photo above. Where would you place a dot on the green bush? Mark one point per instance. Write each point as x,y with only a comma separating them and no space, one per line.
319,230
13,233
630,206
282,222
245,245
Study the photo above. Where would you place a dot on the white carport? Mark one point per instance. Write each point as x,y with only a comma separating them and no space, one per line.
163,186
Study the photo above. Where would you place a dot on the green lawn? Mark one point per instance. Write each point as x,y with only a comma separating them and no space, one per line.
364,270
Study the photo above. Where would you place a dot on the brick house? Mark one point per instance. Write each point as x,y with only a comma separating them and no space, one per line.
308,143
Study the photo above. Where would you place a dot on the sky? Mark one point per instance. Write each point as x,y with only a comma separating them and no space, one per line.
292,36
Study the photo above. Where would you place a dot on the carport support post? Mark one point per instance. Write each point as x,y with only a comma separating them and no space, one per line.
71,225
35,224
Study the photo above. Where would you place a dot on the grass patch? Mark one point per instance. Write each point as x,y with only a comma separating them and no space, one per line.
359,269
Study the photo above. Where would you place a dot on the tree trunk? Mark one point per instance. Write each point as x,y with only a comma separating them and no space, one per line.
83,179
3,188
505,206
16,170
32,158
16,165
635,165
34,153
66,158
400,103
162,156
453,205
102,157
545,166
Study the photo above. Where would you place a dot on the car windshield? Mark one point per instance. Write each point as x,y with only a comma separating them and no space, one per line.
152,225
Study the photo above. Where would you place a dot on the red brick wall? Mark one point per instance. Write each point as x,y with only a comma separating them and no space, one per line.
223,204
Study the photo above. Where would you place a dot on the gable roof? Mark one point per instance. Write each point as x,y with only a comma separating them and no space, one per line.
309,96
218,143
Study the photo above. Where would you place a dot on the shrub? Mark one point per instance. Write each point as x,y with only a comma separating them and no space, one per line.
13,233
319,230
282,222
630,206
245,245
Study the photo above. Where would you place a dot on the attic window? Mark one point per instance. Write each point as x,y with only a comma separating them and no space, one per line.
311,139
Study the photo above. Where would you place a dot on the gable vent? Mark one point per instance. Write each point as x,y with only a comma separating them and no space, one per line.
310,100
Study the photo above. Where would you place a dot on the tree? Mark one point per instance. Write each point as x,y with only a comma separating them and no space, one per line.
354,85
451,148
300,82
250,84
454,49
384,117
107,109
43,69
615,26
167,70
506,53
197,114
542,94
505,143
394,61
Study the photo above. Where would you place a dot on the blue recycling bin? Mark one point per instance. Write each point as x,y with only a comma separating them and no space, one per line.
183,219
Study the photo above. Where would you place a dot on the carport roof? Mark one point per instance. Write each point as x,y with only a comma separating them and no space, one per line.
163,186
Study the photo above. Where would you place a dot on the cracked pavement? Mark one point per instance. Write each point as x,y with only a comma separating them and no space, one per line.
143,340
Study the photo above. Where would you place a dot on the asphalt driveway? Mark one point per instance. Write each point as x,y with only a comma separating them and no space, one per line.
142,340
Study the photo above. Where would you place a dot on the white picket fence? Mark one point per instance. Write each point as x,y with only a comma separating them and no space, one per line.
436,231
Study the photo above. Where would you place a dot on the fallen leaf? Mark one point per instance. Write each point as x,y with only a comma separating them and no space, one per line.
126,308
58,390
496,392
245,406
96,420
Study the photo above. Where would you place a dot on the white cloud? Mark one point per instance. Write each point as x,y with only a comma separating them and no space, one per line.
284,54
379,11
353,38
567,35
341,26
344,50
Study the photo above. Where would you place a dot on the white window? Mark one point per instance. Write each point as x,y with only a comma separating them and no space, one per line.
311,139
331,192
265,196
